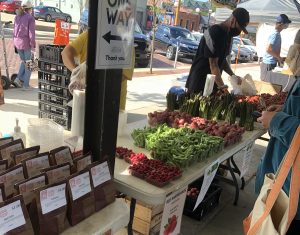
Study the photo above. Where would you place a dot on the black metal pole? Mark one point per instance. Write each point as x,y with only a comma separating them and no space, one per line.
102,100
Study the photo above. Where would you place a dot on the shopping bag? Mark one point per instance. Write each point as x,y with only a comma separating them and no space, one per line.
273,210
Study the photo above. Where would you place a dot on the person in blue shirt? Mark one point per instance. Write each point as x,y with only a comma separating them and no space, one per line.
282,123
272,54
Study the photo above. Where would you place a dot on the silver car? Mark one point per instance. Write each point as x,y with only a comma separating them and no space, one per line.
50,14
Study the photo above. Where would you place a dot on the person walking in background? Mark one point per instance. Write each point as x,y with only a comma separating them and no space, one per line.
272,54
24,42
282,123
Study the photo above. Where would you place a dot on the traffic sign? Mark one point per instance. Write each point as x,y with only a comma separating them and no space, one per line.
116,23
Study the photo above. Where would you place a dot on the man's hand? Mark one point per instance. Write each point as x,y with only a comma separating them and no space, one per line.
274,108
239,80
266,118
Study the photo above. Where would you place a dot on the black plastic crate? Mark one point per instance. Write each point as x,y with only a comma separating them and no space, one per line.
54,90
52,100
63,121
53,68
52,53
210,201
54,79
55,109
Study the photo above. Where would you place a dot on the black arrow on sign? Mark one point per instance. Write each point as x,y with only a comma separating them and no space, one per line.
109,37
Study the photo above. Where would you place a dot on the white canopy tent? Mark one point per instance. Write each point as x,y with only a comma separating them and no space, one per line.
266,11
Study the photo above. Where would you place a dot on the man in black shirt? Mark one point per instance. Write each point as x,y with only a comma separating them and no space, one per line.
213,49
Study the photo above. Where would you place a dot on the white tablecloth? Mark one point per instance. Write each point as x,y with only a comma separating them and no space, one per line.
284,80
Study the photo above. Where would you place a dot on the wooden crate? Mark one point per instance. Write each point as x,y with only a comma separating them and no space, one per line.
146,217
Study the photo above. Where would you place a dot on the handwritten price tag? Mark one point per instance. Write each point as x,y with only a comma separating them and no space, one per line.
80,185
53,198
11,217
100,174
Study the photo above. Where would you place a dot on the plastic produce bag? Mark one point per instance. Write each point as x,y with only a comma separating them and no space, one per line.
246,88
78,78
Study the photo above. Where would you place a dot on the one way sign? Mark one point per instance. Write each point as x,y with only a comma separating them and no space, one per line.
116,23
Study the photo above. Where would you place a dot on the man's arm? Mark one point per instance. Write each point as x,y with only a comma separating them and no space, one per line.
273,53
68,56
215,70
227,68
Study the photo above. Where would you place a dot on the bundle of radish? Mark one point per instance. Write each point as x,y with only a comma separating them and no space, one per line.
193,193
122,152
171,118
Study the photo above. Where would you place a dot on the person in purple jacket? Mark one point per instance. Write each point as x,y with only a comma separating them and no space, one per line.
24,41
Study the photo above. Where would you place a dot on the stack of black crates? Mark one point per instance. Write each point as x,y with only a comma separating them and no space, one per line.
54,79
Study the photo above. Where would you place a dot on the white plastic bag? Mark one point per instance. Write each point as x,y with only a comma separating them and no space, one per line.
78,78
248,86
209,84
236,89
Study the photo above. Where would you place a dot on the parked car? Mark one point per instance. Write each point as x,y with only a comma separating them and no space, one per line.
197,36
245,55
10,6
167,38
247,43
142,48
50,14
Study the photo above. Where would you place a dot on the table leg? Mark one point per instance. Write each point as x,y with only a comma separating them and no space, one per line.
235,183
132,209
237,170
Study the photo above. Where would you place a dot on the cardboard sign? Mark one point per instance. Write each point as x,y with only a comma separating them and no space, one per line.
100,174
20,155
172,214
34,165
247,156
53,198
80,185
209,175
11,217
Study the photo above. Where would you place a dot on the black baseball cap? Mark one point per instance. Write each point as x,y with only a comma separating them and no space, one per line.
242,17
282,18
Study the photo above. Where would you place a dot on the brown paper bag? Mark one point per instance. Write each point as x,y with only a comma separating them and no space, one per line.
20,155
61,155
80,163
34,165
81,197
6,140
10,177
2,194
102,183
26,187
6,149
14,211
58,173
3,165
48,211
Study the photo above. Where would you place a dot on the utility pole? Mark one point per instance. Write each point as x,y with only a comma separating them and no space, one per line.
177,13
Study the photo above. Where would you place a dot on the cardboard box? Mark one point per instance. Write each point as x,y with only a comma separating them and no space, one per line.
146,217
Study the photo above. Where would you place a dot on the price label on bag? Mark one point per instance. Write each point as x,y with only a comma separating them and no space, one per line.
11,217
80,185
209,175
53,198
100,174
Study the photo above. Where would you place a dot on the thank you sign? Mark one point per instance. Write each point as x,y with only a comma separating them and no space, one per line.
116,22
